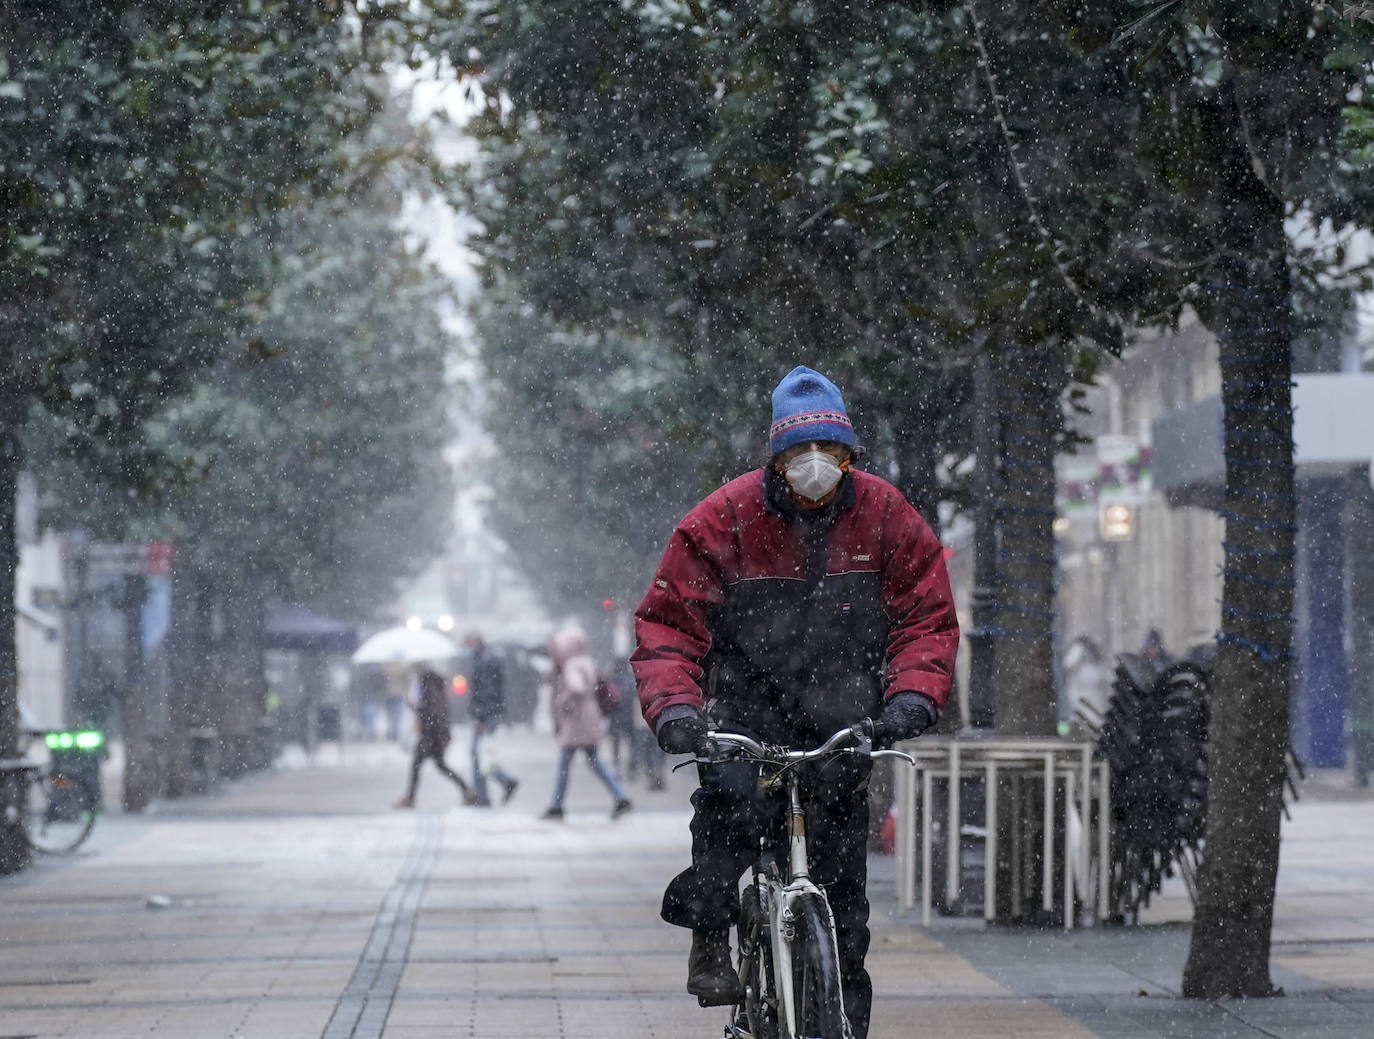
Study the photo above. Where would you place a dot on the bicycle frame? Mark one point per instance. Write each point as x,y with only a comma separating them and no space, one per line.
781,901
779,895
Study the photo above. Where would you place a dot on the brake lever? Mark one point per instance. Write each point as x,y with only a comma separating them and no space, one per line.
715,754
893,754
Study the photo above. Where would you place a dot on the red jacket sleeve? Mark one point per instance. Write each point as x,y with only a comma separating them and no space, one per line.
916,595
671,636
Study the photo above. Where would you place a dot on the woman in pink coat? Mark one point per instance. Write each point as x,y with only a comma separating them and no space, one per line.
578,717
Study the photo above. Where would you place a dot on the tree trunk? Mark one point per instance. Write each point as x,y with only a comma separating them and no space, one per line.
982,636
1027,404
241,686
14,849
1028,394
916,459
184,649
1248,306
138,750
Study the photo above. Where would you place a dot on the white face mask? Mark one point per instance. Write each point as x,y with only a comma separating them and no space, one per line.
814,474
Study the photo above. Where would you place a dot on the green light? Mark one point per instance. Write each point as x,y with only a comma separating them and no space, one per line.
51,739
89,740
66,740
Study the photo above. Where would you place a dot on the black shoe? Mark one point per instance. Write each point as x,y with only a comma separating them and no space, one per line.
710,975
511,784
552,813
621,807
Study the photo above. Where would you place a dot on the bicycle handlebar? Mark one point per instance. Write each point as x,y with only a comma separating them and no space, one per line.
836,744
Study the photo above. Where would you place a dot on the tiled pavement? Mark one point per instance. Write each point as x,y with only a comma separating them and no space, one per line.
298,904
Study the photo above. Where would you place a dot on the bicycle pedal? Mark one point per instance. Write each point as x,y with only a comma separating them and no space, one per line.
724,999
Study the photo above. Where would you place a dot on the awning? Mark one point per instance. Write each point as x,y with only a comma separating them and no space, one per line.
299,629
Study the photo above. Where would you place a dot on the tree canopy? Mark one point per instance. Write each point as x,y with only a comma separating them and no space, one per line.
150,152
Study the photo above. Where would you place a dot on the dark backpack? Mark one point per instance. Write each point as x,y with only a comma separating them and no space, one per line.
608,696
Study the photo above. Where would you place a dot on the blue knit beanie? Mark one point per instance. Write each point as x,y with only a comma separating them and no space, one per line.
807,406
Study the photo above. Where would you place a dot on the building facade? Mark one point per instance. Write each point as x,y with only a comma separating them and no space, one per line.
1140,545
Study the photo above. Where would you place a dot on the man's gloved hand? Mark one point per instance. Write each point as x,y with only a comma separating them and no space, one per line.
905,716
682,735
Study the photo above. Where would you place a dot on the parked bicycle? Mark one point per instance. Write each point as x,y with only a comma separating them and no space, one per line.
789,964
60,806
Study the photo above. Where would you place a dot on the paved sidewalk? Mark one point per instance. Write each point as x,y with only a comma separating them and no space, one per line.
1123,983
297,903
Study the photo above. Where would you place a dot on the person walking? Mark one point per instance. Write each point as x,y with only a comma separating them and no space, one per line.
487,705
1087,694
578,718
804,597
434,721
645,755
619,719
1154,654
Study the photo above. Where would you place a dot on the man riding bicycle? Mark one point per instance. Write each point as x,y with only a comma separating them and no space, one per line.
793,601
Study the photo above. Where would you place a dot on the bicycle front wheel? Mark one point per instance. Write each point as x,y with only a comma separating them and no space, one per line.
60,812
816,990
756,1016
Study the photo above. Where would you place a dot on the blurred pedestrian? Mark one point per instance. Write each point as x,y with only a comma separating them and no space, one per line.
645,754
98,698
577,717
393,707
1086,691
487,705
434,721
1153,651
369,688
619,720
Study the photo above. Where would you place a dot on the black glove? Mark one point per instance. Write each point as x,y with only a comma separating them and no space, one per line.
682,735
905,716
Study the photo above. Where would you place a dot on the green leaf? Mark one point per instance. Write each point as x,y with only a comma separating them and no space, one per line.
1154,14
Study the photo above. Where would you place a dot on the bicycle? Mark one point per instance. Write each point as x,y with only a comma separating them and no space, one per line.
789,962
60,807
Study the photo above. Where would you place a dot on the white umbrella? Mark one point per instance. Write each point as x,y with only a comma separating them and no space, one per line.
405,646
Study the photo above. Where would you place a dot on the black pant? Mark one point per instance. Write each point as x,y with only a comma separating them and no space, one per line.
432,745
729,819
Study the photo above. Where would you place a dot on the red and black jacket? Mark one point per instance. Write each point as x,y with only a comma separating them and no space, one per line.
787,619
